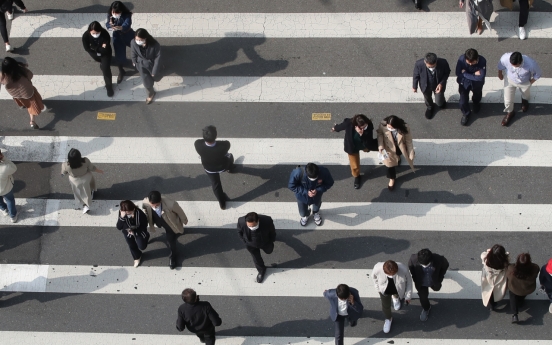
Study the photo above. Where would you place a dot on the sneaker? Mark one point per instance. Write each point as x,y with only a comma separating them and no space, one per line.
303,221
85,209
14,219
137,262
9,48
425,314
464,120
9,15
387,325
396,303
522,33
317,219
45,109
429,113
550,308
5,212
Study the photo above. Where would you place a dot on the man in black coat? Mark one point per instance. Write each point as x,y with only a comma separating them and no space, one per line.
428,271
431,73
199,317
257,232
215,159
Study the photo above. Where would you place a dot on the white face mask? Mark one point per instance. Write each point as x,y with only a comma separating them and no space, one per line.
157,207
388,276
116,16
253,228
426,266
313,179
95,35
432,69
391,129
140,43
130,215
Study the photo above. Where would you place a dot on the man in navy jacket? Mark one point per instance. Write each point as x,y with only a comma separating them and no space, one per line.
308,185
471,70
344,304
431,73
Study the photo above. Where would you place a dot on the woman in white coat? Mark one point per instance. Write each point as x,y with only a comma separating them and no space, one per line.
493,276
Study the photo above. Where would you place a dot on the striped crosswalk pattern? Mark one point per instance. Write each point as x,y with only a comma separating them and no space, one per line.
66,277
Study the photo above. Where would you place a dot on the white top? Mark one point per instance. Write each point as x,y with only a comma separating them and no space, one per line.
342,307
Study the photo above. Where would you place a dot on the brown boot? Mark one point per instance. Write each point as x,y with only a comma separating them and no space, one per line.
507,118
524,105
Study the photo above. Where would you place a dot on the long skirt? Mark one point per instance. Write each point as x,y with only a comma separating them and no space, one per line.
82,187
34,104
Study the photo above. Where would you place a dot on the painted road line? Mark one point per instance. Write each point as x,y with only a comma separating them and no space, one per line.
287,25
264,89
277,151
213,281
337,215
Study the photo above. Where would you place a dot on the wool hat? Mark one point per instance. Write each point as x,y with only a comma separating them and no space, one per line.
549,266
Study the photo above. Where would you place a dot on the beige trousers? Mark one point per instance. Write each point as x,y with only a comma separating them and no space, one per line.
510,93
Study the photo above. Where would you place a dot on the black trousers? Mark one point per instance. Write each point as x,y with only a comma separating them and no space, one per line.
439,97
340,329
105,66
215,179
207,336
423,293
257,258
171,236
523,12
516,302
3,28
137,243
465,98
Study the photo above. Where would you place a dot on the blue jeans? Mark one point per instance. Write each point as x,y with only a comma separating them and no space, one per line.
7,201
304,208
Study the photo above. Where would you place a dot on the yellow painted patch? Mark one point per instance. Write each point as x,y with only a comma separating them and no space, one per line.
321,116
106,116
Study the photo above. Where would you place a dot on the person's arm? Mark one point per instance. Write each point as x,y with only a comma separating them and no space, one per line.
133,52
444,268
180,324
415,78
271,230
409,144
408,291
105,43
375,280
21,5
379,133
127,23
367,137
180,213
411,267
156,61
327,183
10,167
143,227
446,73
85,43
295,184
214,316
240,231
341,126
121,222
460,67
357,305
535,72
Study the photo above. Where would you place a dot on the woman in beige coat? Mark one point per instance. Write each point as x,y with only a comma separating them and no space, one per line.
82,181
395,138
493,276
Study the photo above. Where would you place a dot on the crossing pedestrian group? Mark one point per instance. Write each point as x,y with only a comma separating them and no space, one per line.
393,280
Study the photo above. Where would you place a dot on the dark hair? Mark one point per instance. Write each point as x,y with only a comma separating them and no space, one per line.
497,257
471,54
13,69
424,256
312,170
390,267
397,123
342,291
430,58
252,217
210,134
189,296
95,26
117,7
523,266
360,120
75,159
144,34
127,205
154,197
516,58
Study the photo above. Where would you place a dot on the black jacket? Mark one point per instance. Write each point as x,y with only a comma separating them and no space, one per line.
94,45
420,74
440,264
367,137
7,5
213,158
198,317
138,223
266,233
545,279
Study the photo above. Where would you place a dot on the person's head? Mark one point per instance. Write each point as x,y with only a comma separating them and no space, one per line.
342,291
252,220
210,134
154,198
516,59
95,29
497,257
127,207
312,171
430,60
396,123
523,266
143,37
472,56
424,257
74,158
360,120
390,268
117,8
189,296
12,69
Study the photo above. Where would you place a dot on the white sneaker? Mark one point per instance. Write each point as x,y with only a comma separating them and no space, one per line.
317,219
137,262
9,15
304,221
14,219
45,109
5,212
387,325
522,33
85,209
396,303
9,48
550,308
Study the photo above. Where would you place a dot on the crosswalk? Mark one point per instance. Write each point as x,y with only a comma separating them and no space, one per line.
67,277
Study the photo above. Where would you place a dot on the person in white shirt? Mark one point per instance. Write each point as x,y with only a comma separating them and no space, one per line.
7,200
344,304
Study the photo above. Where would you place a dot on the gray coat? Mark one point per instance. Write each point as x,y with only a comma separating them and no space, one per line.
148,58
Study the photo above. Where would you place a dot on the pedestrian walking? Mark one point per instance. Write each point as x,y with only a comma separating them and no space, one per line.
145,52
477,12
215,159
133,223
522,281
545,279
6,6
198,316
471,70
359,136
167,214
523,14
257,232
81,179
16,78
97,42
309,184
394,140
521,72
428,271
393,283
431,74
119,21
344,305
7,199
493,276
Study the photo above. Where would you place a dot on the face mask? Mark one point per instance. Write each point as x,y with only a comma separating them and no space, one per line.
116,16
389,276
391,130
130,215
95,35
157,208
426,266
140,43
432,69
313,179
253,228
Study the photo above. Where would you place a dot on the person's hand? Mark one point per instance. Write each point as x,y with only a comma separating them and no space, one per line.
351,299
380,149
414,90
333,128
359,130
100,171
461,3
130,233
463,71
152,75
438,88
123,214
103,45
186,223
312,193
477,72
500,76
532,81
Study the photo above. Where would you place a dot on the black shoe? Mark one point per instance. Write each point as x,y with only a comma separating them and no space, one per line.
353,323
464,120
429,113
110,92
357,182
515,318
476,107
120,77
172,262
222,203
202,340
444,106
260,277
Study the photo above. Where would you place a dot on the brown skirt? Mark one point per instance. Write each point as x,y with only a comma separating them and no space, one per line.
34,104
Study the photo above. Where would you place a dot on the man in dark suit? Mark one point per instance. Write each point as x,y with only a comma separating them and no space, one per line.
215,159
428,271
431,73
344,304
257,232
471,70
199,317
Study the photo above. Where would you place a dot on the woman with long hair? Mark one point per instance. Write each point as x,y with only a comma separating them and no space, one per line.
493,276
146,57
522,281
81,179
119,20
133,223
97,42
